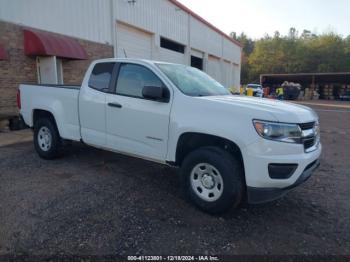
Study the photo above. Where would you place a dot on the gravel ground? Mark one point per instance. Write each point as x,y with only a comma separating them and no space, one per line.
98,203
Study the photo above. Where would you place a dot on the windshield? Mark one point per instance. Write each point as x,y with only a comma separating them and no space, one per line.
191,81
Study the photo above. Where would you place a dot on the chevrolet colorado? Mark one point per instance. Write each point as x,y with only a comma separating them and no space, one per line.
229,148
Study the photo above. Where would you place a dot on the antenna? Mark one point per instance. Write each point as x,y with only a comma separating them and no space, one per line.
126,56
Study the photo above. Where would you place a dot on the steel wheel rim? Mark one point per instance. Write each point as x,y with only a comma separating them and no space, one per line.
207,182
44,138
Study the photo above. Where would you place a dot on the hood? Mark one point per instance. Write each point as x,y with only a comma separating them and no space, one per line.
281,111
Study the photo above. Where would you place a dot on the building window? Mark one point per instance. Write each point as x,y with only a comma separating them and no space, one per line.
171,45
197,62
101,76
133,78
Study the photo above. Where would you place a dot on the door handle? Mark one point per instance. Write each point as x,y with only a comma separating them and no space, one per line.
116,105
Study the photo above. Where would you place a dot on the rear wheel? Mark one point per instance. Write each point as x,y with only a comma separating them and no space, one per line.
47,141
213,179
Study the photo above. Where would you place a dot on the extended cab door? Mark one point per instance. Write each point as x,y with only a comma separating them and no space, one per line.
92,103
136,125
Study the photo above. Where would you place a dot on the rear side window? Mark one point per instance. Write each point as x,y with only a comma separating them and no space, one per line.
101,76
133,78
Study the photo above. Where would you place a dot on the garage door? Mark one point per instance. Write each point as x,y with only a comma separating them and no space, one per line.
133,43
214,68
171,56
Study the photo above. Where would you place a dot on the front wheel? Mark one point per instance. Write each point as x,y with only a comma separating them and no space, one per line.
213,179
47,141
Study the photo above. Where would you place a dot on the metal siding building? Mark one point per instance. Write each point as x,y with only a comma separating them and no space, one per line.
85,19
221,56
163,30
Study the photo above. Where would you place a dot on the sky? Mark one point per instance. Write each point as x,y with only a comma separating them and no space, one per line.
259,17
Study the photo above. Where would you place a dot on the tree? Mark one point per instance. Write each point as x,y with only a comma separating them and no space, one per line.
293,33
248,43
277,34
307,53
326,53
233,35
247,49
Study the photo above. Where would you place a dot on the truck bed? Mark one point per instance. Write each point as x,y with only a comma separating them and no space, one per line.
60,100
55,85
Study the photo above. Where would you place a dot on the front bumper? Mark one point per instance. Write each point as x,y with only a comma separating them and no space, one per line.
262,186
262,195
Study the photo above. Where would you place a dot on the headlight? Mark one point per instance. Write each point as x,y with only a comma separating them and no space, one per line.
289,133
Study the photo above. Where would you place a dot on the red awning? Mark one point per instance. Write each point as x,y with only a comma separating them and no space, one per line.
38,43
3,54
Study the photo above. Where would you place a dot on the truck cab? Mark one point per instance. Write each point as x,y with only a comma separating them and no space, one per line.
133,118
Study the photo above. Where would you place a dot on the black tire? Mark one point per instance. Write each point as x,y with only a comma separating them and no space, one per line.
55,148
231,171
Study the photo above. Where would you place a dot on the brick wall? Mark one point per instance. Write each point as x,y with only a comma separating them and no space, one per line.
17,69
20,68
74,70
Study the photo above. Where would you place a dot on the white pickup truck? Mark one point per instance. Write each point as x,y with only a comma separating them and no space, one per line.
229,148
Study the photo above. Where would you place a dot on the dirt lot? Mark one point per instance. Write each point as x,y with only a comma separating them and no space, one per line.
97,203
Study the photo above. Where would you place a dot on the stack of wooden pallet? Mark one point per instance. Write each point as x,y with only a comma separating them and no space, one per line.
328,92
344,89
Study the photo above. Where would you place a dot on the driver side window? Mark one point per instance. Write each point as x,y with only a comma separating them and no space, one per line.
133,78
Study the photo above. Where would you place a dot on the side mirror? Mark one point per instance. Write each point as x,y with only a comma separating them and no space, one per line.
156,93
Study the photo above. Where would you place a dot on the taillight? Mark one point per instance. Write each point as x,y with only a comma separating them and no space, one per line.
19,99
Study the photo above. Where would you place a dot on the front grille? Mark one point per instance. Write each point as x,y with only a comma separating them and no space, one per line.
309,141
307,126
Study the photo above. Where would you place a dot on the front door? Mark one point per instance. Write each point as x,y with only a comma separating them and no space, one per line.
47,70
135,125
